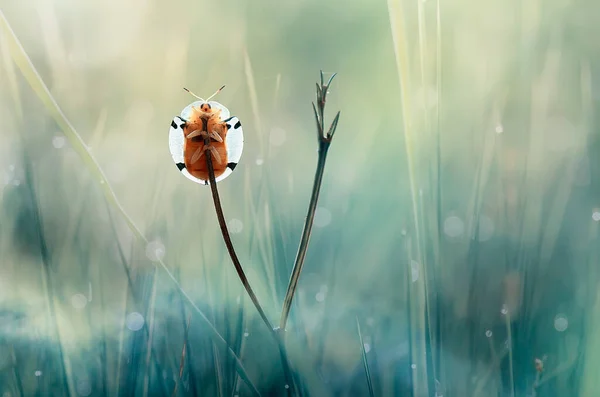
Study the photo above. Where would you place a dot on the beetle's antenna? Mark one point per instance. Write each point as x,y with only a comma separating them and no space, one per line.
210,97
194,95
207,99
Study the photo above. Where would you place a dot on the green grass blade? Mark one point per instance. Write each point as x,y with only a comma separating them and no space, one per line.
19,56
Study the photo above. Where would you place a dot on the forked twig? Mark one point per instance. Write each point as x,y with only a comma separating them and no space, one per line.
324,142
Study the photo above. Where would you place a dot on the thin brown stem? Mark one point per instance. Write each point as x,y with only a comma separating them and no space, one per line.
240,271
324,139
306,232
227,238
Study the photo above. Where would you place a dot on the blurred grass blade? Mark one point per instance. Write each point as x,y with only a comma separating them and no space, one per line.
19,56
364,360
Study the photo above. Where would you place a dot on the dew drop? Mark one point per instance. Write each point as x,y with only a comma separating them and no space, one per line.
134,321
367,347
235,226
320,296
454,226
287,386
38,373
499,129
259,161
488,333
414,270
504,309
413,366
58,142
596,215
322,217
79,301
561,322
155,250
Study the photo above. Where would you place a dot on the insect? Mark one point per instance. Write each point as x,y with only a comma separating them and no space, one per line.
205,128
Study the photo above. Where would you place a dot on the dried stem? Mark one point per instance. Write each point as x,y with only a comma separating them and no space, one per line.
240,270
324,142
227,237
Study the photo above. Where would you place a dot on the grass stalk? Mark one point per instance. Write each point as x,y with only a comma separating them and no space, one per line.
324,140
21,59
364,360
240,270
66,379
227,239
510,354
183,353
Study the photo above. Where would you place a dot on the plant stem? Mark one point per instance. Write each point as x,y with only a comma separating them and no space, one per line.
308,223
227,238
364,359
240,270
324,139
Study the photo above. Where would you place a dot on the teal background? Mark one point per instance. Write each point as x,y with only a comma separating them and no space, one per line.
458,217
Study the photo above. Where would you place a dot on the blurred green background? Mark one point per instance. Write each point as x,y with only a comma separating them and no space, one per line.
458,217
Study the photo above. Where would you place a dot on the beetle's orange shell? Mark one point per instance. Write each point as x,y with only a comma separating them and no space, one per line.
211,118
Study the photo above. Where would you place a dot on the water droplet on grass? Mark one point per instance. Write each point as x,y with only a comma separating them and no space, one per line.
561,322
58,142
454,226
79,301
155,250
134,321
235,226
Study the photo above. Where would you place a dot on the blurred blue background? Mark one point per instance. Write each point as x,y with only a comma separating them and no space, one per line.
458,218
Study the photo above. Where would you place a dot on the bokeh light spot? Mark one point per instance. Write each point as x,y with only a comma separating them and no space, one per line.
454,226
79,301
134,321
367,347
561,322
155,250
322,217
414,270
58,142
235,226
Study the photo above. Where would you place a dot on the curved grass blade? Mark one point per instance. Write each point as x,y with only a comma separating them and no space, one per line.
19,56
